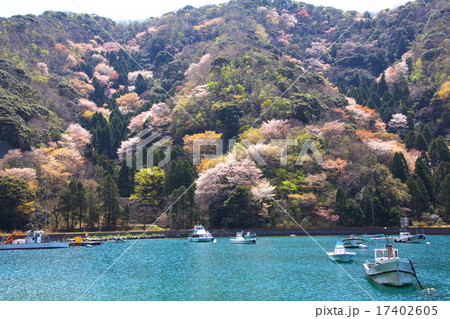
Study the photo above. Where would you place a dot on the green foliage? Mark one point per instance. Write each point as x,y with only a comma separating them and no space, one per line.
420,200
438,152
400,167
16,200
110,202
180,173
125,180
149,185
444,196
241,209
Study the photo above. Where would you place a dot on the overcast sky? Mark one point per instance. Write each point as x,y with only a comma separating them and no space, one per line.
142,9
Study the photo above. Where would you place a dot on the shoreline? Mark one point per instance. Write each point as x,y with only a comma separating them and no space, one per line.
264,232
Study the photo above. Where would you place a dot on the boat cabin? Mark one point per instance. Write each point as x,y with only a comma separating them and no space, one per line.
382,254
36,237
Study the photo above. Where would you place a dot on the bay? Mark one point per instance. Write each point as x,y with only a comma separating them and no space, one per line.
278,268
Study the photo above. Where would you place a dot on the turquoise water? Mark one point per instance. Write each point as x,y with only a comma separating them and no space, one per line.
278,268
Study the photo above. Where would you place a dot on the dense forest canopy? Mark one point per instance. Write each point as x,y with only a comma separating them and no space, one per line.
341,118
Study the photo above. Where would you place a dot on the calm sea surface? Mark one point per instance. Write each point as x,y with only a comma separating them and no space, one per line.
278,268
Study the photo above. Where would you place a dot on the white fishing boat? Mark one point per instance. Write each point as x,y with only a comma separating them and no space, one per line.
388,268
406,237
244,238
354,242
33,240
341,255
200,235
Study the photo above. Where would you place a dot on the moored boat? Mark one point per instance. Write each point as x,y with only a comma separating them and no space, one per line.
406,237
354,242
388,268
33,240
373,236
244,238
340,254
200,235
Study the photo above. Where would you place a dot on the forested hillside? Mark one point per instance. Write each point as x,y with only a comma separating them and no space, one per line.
367,94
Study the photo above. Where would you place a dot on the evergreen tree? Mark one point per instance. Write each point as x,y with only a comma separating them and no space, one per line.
420,143
16,199
340,208
180,173
125,181
419,196
110,202
98,96
439,175
394,217
438,152
353,213
182,212
427,133
68,204
241,209
423,170
400,167
402,46
80,201
382,86
410,139
444,195
141,85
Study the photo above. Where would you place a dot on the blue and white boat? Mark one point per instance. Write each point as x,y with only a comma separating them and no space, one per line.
244,238
406,237
200,235
341,255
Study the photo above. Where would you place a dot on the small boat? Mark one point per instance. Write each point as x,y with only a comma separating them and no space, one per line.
353,242
388,268
341,255
119,240
200,235
33,240
244,238
406,237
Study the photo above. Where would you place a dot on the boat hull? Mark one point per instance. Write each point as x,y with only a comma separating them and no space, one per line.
53,245
392,272
342,258
200,239
243,241
416,239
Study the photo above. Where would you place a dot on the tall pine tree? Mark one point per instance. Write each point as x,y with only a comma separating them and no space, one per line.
400,167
